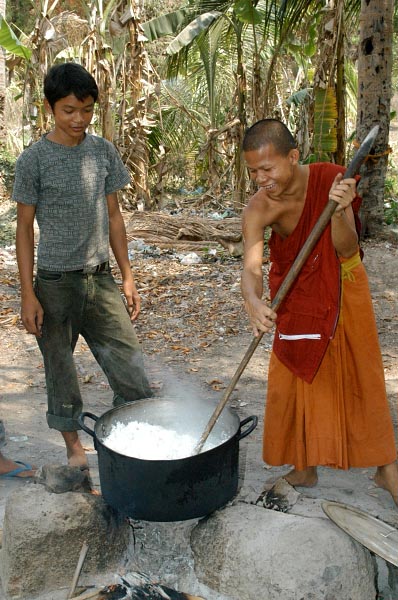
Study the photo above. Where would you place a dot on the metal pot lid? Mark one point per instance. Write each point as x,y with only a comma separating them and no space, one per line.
375,535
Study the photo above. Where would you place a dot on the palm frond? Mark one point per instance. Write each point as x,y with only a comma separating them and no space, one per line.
247,13
165,25
191,31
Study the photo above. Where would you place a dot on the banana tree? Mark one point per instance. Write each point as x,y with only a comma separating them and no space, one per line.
95,52
137,92
10,43
107,40
43,45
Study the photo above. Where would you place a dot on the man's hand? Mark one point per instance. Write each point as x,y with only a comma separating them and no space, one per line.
343,191
133,300
262,317
32,315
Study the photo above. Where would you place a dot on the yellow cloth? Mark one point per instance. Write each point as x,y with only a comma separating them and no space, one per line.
342,419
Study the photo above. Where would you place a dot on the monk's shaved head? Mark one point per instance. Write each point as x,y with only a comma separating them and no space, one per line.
269,131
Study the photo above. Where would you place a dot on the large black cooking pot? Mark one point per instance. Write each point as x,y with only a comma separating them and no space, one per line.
170,490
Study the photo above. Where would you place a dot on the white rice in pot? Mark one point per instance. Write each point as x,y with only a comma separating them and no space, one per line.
153,442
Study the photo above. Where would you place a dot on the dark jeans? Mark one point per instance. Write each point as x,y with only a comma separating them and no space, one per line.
88,304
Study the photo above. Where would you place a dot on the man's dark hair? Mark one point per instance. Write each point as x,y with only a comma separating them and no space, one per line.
269,131
69,78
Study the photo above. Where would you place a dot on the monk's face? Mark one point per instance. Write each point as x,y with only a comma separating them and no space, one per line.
270,170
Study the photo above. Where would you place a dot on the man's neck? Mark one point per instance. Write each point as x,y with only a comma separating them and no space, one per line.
63,140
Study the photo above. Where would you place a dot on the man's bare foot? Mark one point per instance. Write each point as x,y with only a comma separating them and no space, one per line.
306,478
386,477
74,450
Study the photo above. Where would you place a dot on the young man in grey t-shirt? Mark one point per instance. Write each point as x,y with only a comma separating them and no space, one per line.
68,181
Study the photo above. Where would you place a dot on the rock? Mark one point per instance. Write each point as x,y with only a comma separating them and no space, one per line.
43,534
282,496
63,478
248,553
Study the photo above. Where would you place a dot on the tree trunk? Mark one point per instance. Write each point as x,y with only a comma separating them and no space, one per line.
2,81
137,75
340,89
374,96
239,194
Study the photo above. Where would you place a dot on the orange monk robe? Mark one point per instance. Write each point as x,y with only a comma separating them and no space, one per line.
341,419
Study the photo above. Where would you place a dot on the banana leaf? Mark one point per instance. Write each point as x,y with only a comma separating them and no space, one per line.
10,42
325,118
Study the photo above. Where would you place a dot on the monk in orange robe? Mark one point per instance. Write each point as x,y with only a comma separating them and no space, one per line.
326,399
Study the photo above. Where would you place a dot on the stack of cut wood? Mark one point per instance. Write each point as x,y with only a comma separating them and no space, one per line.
189,232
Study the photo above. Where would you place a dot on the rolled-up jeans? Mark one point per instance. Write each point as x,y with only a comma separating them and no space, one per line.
91,305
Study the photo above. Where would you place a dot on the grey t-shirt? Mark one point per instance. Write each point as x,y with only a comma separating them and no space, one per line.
68,185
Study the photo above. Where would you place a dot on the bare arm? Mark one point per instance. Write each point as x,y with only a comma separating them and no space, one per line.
31,309
118,242
261,316
344,235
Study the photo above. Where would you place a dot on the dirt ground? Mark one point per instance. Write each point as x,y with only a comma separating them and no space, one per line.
194,334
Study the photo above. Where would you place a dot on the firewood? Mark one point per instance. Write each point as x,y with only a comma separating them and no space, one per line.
141,587
136,586
79,566
159,229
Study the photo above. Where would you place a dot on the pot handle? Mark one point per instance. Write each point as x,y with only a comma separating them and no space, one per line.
80,420
242,434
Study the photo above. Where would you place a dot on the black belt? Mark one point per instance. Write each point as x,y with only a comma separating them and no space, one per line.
97,269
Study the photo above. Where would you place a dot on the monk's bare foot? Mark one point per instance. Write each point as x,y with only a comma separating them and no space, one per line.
386,477
306,478
74,450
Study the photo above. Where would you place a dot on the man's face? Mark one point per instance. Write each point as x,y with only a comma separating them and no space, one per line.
72,117
270,170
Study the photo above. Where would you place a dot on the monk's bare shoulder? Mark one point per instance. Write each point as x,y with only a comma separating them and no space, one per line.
258,211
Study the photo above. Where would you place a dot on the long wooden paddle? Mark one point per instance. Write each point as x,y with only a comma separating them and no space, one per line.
294,270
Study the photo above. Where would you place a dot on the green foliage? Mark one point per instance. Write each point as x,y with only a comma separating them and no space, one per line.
227,60
391,198
391,211
299,97
20,15
7,170
8,208
10,42
247,13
